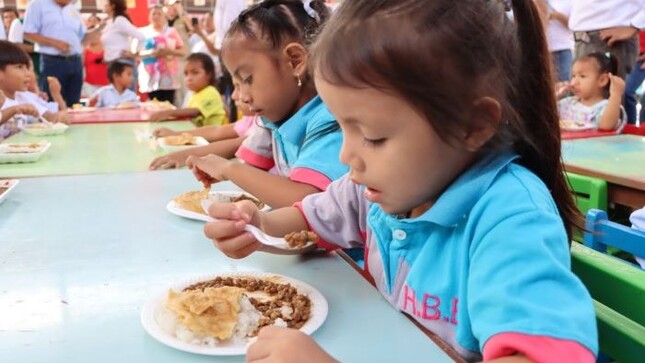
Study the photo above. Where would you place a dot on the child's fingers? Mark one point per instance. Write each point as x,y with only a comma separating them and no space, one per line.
238,247
259,350
156,163
224,229
228,211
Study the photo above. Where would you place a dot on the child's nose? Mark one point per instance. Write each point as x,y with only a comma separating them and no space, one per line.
348,156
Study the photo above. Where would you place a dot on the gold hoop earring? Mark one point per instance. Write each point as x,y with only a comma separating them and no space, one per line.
299,81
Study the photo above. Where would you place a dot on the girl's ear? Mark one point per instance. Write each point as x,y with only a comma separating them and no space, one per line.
297,57
603,80
485,116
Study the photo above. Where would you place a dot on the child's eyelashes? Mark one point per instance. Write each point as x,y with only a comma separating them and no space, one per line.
373,142
248,80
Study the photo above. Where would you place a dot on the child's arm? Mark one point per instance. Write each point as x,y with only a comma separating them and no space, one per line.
54,117
611,116
211,133
54,90
173,114
223,148
24,109
274,190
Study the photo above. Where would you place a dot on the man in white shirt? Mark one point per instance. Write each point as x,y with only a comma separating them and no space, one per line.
58,31
608,26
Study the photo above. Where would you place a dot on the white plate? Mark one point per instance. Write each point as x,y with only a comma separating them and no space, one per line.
573,126
200,141
173,208
57,129
125,106
81,109
157,106
215,195
153,308
6,156
8,183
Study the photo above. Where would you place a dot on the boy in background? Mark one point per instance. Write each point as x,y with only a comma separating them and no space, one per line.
117,93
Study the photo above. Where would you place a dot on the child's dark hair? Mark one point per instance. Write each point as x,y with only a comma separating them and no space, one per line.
11,53
606,62
277,22
11,10
207,63
443,55
120,8
116,68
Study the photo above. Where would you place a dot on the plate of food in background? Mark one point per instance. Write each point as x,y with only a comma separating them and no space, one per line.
221,314
180,142
79,108
43,129
156,105
22,152
189,204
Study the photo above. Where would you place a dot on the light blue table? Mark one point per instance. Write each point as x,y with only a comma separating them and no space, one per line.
80,255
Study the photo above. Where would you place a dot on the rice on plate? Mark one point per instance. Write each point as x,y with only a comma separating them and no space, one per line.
219,315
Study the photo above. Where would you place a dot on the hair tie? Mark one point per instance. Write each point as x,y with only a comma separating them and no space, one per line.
309,9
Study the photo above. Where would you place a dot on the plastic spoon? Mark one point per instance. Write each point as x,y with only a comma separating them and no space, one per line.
269,243
44,120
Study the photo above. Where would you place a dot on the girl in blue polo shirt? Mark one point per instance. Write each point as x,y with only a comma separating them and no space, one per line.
295,152
456,188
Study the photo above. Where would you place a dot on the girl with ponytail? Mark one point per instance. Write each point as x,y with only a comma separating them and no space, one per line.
456,187
266,50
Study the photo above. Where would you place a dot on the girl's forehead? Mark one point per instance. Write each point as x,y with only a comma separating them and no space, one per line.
587,64
193,63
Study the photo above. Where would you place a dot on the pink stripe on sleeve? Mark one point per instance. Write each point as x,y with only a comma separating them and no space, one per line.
311,177
537,348
254,159
244,125
321,242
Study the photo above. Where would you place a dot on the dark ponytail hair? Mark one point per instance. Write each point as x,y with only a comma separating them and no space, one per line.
441,56
280,21
207,63
120,8
606,62
536,106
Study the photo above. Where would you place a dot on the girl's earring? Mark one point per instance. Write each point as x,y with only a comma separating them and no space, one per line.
299,81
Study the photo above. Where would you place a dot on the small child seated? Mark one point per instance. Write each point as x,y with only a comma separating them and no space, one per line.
15,77
597,95
117,92
205,107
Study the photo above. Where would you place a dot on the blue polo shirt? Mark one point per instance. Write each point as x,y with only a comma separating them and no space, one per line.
47,18
490,257
108,96
306,147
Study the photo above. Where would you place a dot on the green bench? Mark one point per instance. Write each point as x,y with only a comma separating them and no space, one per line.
618,290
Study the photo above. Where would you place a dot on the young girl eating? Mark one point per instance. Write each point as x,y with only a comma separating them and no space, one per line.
456,187
205,106
266,52
597,95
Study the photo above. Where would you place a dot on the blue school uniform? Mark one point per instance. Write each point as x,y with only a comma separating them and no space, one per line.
305,148
491,256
